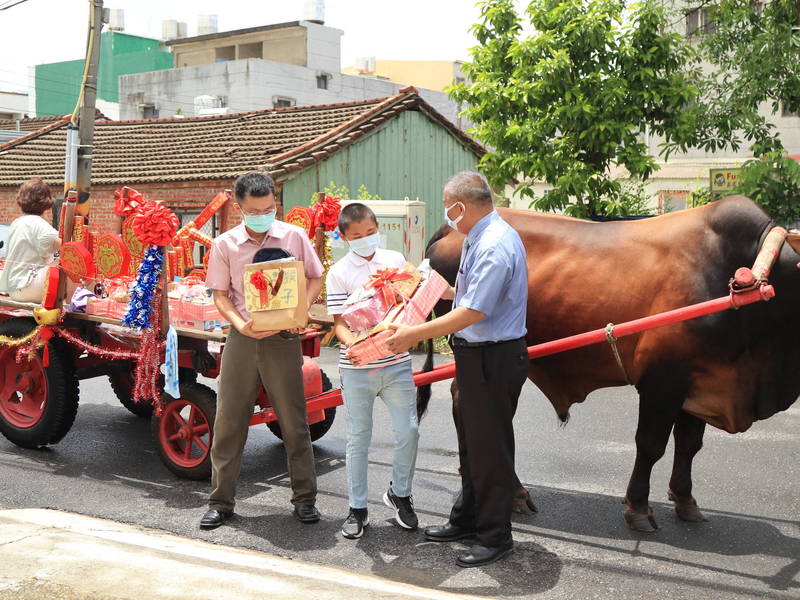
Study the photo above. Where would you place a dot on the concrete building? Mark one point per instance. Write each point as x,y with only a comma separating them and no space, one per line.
13,105
430,74
287,64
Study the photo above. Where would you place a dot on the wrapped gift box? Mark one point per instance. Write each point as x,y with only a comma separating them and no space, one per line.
413,312
198,311
366,308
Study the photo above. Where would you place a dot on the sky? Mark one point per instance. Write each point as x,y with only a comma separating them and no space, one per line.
42,31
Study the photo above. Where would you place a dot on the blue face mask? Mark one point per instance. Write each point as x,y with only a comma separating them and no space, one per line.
454,222
366,246
260,223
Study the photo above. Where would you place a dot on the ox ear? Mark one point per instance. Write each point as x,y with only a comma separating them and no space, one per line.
794,241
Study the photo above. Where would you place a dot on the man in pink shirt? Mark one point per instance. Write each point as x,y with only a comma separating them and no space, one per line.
255,358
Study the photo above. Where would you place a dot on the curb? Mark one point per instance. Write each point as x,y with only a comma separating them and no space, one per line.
87,555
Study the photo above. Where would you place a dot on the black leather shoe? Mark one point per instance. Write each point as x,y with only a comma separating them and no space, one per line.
306,513
478,555
214,518
447,533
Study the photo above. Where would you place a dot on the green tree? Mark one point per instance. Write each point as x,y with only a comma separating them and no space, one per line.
753,50
580,93
773,180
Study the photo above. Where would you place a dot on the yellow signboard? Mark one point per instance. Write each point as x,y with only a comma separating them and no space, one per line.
722,180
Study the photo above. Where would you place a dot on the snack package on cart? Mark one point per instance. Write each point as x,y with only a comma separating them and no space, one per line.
275,294
412,312
383,291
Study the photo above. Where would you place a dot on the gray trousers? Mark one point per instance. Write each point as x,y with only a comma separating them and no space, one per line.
247,363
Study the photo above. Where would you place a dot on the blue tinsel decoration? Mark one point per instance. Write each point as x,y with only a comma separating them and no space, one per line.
148,277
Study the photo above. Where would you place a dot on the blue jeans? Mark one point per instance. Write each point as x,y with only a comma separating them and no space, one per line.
395,386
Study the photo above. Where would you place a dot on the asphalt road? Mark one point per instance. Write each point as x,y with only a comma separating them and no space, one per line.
577,546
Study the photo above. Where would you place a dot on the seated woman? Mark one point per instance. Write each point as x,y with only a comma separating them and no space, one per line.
31,244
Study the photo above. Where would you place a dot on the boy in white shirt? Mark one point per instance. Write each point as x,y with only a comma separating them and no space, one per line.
389,377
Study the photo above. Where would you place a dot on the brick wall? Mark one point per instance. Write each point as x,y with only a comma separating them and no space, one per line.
191,196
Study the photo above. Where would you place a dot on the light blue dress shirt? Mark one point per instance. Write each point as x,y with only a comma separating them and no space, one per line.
493,279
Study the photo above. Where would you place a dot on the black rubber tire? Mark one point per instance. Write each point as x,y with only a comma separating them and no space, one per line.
319,429
62,393
122,384
205,399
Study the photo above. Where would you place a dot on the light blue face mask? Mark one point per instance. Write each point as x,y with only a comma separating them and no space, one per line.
260,223
366,246
454,222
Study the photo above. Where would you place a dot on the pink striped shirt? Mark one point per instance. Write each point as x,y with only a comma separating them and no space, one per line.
235,248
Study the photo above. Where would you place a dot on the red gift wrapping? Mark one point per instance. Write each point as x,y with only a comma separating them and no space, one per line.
413,312
371,349
365,314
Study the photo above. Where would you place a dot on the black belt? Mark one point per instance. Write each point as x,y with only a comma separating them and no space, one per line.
458,342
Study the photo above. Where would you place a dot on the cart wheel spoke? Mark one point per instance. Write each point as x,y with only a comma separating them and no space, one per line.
201,444
192,412
173,437
179,422
200,430
187,449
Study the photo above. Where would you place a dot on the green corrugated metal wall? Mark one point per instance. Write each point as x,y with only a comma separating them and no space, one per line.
57,84
410,156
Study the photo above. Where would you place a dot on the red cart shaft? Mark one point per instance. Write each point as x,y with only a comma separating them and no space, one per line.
733,300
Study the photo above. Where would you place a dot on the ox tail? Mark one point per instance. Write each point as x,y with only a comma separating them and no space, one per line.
424,391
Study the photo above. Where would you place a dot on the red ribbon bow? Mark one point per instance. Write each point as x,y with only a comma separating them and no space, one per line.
325,214
127,201
155,224
265,287
382,282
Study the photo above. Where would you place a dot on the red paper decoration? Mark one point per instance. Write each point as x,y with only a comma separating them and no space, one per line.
111,256
155,224
302,217
135,247
50,298
77,261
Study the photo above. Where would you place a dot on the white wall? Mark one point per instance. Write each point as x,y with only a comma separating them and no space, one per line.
251,85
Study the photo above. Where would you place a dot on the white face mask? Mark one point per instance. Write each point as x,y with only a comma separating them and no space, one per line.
366,246
454,222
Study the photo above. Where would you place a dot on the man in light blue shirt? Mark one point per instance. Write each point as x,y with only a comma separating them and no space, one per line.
488,323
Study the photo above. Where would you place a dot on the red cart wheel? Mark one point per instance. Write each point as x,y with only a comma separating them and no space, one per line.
38,404
184,430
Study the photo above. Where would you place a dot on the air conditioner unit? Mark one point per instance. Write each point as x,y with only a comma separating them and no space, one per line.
204,112
208,102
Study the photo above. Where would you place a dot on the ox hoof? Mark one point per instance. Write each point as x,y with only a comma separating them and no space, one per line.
644,523
686,508
523,503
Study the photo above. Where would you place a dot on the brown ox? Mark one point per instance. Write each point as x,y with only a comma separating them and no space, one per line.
728,369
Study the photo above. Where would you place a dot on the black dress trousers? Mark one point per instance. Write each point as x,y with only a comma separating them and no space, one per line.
489,380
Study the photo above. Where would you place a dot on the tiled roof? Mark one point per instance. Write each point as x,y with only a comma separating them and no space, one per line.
217,147
34,124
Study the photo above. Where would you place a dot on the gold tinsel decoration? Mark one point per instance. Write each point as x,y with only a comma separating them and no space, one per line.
14,342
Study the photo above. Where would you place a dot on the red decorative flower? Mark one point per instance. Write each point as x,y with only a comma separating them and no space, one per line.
259,281
127,201
155,224
326,213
